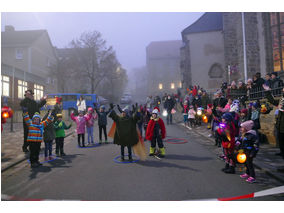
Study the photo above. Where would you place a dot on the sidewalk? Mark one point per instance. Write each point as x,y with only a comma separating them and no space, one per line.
11,145
265,160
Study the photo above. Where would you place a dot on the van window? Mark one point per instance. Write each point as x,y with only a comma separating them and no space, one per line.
88,98
69,98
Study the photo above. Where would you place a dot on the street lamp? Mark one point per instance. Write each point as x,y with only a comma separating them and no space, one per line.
160,86
172,85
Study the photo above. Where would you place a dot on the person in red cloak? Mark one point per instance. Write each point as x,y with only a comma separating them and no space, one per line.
156,132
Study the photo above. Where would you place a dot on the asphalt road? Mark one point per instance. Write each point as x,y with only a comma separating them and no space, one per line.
190,171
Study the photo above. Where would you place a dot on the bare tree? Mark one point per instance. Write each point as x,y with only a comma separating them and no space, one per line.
91,57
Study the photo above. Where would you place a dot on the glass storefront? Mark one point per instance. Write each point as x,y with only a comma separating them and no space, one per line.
277,32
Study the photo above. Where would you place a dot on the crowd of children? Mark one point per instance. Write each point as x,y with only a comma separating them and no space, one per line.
233,125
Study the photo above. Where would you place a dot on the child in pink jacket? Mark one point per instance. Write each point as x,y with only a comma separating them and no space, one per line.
81,123
90,124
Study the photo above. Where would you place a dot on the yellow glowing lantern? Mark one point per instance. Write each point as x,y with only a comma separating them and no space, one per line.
204,119
5,115
263,109
241,157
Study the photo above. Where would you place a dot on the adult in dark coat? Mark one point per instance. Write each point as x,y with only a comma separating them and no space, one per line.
169,105
125,132
276,84
32,107
280,118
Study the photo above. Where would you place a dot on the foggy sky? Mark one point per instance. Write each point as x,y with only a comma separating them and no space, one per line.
128,33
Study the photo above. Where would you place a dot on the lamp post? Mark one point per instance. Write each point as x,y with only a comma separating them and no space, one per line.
244,47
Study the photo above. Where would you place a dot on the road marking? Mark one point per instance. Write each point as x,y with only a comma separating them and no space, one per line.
273,191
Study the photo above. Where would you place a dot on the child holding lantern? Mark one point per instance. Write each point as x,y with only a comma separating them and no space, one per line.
248,141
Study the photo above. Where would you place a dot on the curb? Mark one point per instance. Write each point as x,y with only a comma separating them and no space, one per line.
268,172
24,158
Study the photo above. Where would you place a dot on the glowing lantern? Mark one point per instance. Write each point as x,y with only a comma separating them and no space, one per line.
241,157
165,113
263,109
5,115
199,112
204,119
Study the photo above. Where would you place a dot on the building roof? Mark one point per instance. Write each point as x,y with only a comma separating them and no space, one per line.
20,38
164,49
208,22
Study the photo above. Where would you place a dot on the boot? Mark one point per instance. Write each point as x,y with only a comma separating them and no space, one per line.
162,152
130,158
231,170
226,167
152,150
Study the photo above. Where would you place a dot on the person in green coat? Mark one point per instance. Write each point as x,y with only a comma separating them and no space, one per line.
125,132
60,127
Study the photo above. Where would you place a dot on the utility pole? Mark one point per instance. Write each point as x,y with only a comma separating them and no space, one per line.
244,47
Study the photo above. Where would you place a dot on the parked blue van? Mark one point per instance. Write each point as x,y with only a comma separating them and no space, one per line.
69,100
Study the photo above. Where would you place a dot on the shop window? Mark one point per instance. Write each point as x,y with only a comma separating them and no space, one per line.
22,87
38,90
5,80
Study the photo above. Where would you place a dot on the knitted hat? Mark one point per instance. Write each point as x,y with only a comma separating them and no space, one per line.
36,115
247,125
245,111
90,109
209,105
102,107
227,116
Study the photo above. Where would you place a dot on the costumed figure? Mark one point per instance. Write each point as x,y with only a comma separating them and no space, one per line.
226,131
126,134
155,133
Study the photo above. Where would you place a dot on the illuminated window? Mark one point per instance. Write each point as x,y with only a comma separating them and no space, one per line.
38,90
172,85
22,87
160,86
5,85
277,32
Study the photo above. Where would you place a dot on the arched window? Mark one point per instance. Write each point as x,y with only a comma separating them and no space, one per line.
216,71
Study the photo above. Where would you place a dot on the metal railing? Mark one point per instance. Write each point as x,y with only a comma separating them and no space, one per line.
254,94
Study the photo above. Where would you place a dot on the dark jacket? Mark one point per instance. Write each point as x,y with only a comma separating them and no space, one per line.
125,132
205,100
258,82
102,117
218,102
32,106
249,143
49,131
196,102
280,117
169,104
276,83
